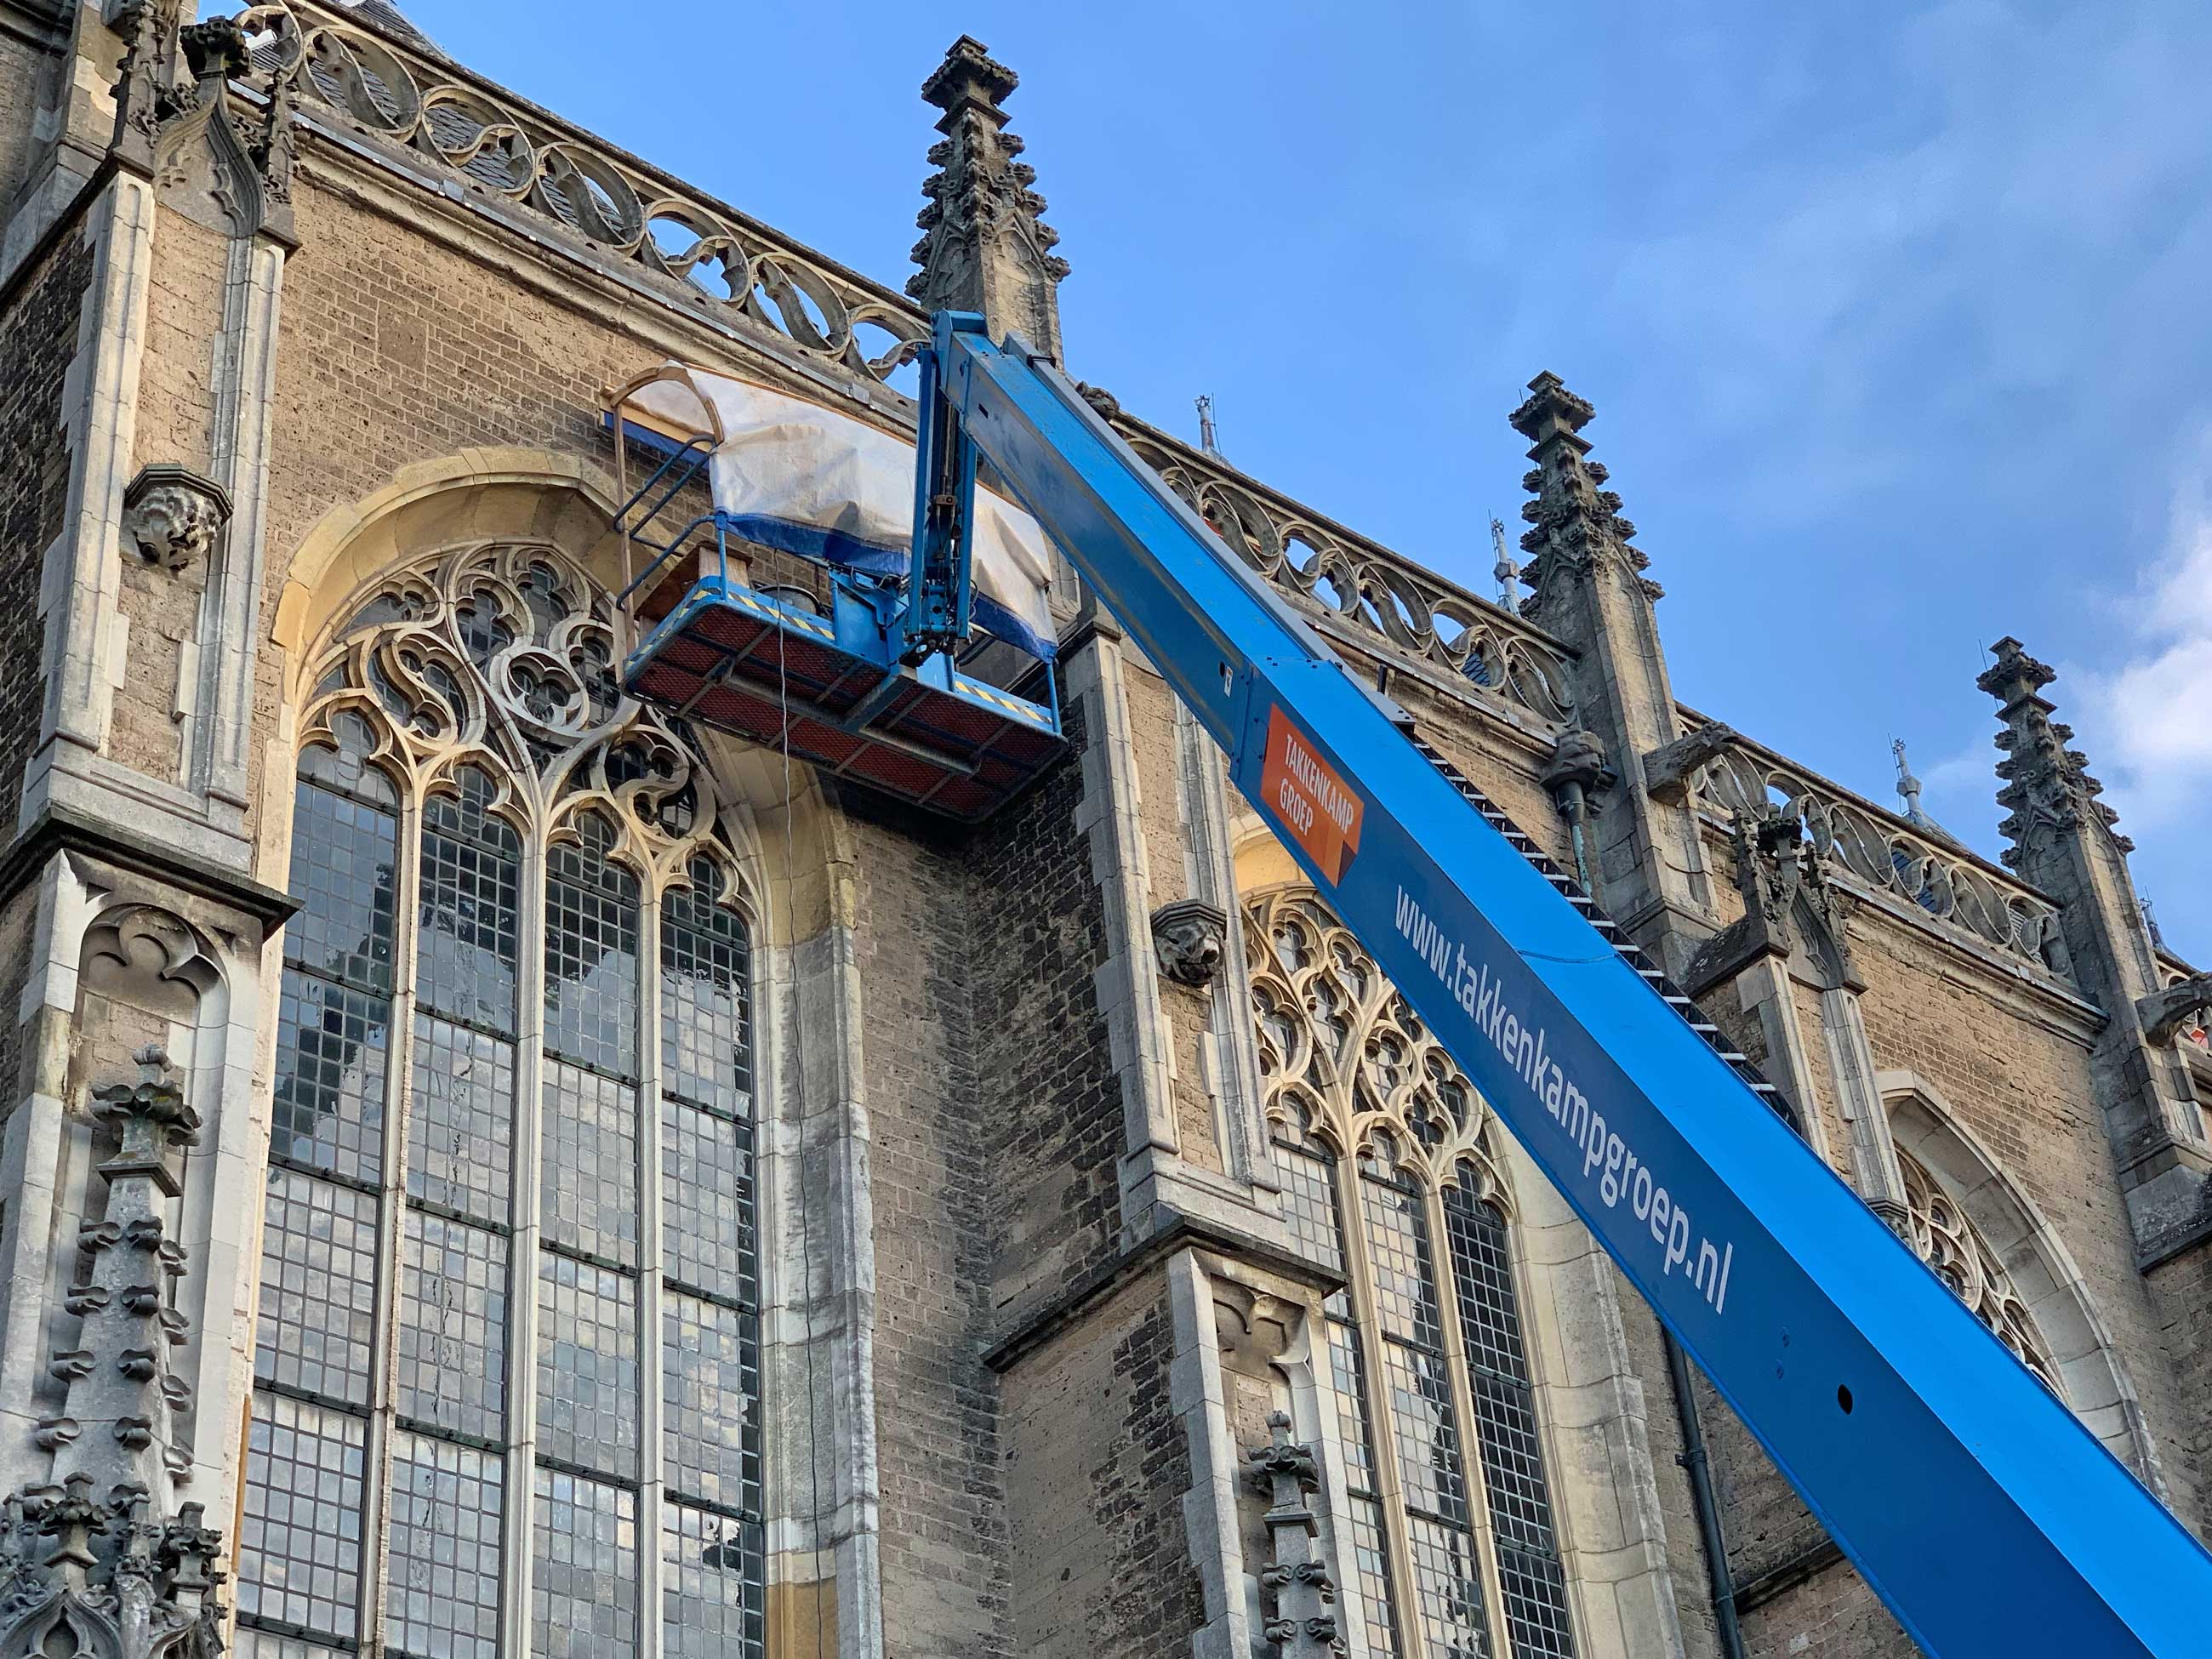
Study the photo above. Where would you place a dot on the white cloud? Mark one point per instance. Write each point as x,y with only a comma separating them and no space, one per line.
2149,721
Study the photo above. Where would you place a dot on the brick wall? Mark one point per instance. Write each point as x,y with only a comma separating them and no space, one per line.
38,341
1097,1467
1047,1092
23,76
937,1427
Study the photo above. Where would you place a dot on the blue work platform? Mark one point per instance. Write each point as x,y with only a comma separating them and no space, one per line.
773,665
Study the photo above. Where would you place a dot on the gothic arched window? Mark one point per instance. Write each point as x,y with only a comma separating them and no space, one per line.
1945,1238
1385,1153
507,1362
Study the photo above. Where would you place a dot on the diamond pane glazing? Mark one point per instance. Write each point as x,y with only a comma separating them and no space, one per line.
584,1592
318,1322
298,1545
452,1326
460,1120
587,1365
442,1597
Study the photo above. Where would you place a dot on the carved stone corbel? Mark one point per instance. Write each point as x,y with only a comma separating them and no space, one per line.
2165,1012
1669,770
172,516
1190,936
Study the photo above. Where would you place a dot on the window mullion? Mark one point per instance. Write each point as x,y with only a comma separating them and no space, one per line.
1472,1468
522,1257
653,1491
1381,1408
391,1220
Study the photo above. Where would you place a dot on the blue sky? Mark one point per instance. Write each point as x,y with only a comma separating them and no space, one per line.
1893,315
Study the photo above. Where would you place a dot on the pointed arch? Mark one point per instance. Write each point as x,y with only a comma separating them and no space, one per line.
1988,1239
530,1057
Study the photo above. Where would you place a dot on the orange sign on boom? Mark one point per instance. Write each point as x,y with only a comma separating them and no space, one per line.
1314,802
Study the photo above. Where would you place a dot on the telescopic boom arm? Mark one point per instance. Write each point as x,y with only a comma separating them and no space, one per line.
1988,1518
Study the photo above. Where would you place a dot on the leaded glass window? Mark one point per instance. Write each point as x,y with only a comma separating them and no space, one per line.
509,1216
1446,1526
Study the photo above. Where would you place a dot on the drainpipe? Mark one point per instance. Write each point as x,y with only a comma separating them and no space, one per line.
1575,775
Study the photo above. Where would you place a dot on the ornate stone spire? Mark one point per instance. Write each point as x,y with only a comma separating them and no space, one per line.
1591,593
2063,841
94,1562
1303,1625
2047,785
985,246
1574,520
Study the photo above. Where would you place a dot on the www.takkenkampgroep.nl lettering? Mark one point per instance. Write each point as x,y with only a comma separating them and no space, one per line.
1609,1165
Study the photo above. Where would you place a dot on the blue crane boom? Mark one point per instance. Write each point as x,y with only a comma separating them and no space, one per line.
1982,1512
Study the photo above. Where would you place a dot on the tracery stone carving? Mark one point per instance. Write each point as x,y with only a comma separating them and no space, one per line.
503,653
1943,1236
150,958
1880,849
1366,586
1343,1057
395,91
429,105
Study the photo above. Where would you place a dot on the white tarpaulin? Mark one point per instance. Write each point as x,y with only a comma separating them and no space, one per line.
805,479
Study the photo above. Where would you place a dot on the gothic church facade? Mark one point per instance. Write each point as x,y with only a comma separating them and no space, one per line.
487,1167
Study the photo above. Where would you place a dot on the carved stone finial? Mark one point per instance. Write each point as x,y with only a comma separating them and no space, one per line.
1190,936
1303,1622
214,49
2047,785
152,1119
172,516
1789,905
1573,522
985,246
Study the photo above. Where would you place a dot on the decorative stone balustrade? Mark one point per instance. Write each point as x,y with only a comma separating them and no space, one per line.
1363,584
1883,852
512,149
